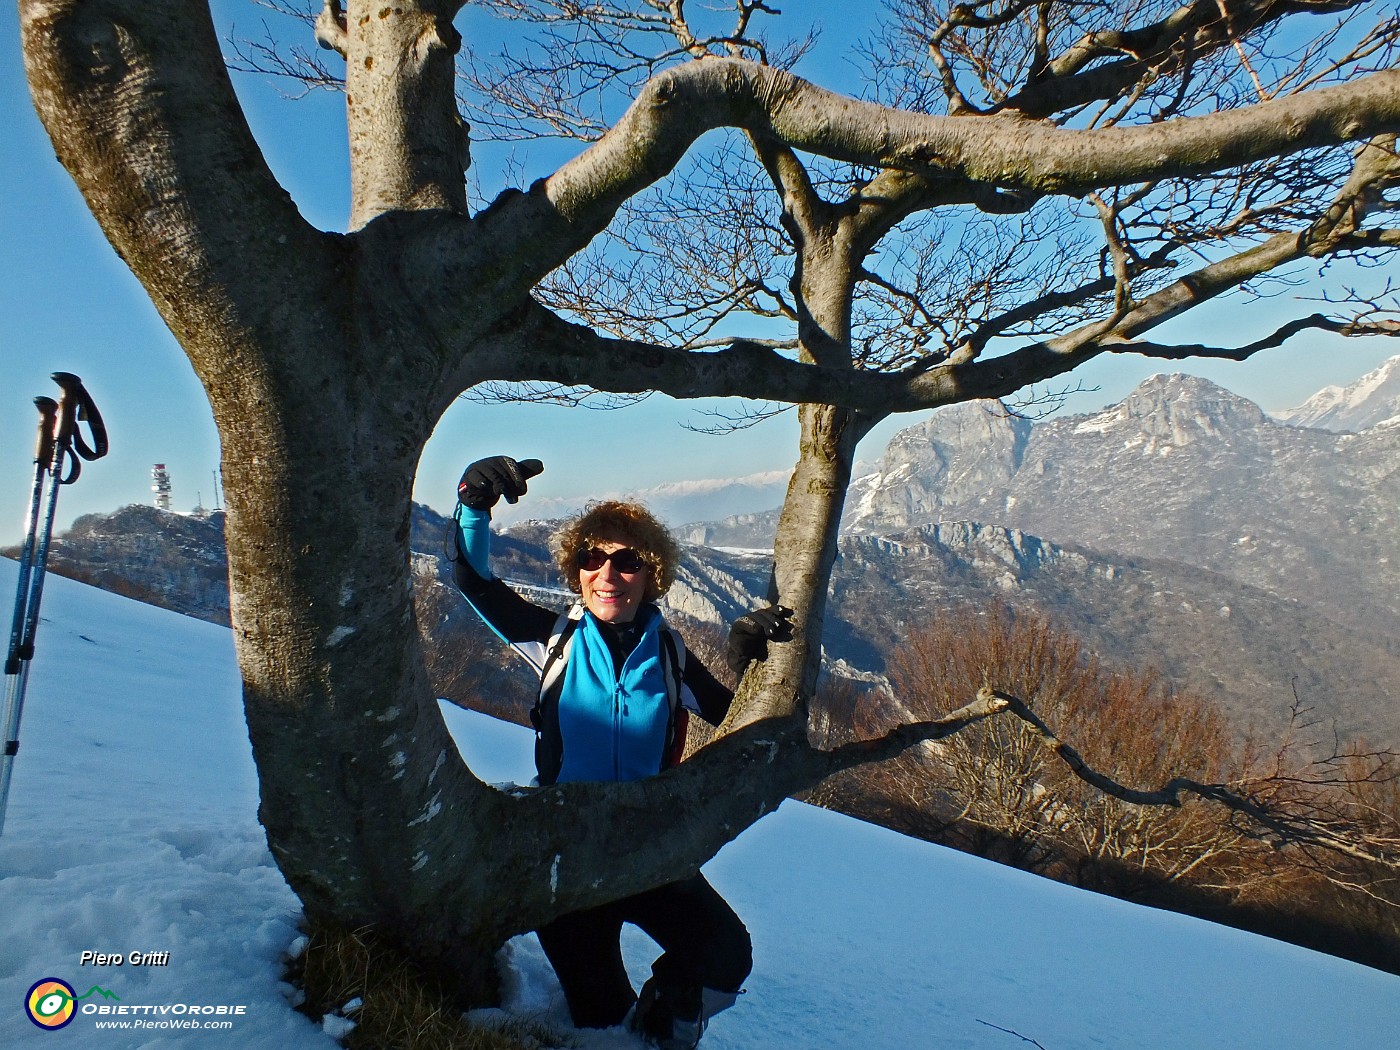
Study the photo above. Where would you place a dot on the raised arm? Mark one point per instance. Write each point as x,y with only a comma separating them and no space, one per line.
512,617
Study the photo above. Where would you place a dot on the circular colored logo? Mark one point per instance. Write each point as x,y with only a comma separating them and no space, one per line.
50,1003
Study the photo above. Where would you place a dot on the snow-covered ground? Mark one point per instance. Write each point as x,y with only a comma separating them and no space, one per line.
131,828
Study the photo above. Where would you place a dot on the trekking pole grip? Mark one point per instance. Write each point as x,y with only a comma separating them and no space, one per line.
76,405
43,447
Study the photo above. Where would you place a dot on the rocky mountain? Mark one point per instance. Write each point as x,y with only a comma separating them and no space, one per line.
754,531
1372,399
1181,470
175,561
1243,647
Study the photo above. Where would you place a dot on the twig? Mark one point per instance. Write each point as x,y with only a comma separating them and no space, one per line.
1009,1031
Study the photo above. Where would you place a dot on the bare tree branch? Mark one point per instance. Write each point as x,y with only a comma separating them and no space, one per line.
1313,322
1289,827
331,32
1004,151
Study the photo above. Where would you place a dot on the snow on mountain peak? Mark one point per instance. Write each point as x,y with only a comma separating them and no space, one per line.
1176,408
1372,399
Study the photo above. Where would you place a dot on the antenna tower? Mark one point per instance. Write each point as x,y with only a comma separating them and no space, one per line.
161,488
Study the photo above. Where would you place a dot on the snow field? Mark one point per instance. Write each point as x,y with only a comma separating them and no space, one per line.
132,827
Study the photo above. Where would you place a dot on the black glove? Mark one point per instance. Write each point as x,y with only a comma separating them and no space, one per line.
487,480
750,634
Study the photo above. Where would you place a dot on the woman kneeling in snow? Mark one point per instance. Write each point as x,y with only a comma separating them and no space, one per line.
617,684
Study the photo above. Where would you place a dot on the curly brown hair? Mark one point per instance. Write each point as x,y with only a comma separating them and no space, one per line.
618,521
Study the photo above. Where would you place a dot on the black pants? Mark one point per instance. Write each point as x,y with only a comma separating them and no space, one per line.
704,944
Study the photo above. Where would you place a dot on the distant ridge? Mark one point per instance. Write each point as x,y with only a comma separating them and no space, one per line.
1371,400
674,503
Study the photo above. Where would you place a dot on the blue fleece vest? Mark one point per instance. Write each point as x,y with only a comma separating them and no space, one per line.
613,727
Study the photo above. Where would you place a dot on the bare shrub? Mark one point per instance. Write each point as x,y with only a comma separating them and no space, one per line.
996,789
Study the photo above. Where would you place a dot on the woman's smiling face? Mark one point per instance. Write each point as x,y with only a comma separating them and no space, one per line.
610,594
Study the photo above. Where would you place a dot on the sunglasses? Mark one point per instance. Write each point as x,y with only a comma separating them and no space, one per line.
625,560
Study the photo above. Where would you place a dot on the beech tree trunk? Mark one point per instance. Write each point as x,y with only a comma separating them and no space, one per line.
809,524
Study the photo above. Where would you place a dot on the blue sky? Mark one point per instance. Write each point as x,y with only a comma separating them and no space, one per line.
69,304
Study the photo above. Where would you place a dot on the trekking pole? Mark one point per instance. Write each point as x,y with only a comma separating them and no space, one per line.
59,439
43,454
15,665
